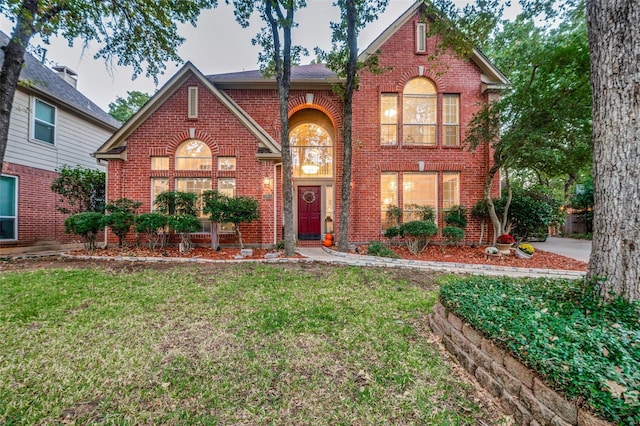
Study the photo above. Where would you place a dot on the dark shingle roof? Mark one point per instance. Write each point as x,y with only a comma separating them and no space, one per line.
47,81
300,72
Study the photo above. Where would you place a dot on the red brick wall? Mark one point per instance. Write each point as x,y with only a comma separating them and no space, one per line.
226,135
39,221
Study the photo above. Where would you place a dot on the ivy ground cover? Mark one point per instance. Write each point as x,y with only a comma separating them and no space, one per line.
588,350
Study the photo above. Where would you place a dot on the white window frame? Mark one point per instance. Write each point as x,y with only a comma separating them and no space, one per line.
192,102
447,123
34,119
384,224
15,212
421,37
447,200
227,228
407,210
153,194
388,122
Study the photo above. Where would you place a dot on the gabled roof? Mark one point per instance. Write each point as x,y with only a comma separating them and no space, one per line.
492,77
39,79
113,148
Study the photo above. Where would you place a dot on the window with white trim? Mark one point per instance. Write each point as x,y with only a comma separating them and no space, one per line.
193,155
389,119
8,208
419,189
421,37
44,122
159,163
158,186
451,120
419,112
227,186
450,189
226,164
388,198
196,186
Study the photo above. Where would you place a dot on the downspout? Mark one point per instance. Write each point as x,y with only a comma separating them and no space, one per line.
106,191
275,203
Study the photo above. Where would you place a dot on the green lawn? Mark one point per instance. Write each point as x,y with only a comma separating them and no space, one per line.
248,344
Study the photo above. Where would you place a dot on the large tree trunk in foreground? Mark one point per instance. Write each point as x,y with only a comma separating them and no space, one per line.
614,40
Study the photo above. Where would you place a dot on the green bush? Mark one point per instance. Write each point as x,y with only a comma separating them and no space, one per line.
81,189
453,234
559,328
456,216
392,232
177,203
376,248
184,225
151,224
120,217
86,225
417,234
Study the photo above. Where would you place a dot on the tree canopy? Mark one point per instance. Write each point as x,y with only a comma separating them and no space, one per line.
123,108
142,34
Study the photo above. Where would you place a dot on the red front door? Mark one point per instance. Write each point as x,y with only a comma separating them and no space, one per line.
309,212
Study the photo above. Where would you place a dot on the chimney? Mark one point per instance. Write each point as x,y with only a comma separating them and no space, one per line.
67,74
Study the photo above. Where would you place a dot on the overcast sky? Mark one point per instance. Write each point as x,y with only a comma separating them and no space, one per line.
217,45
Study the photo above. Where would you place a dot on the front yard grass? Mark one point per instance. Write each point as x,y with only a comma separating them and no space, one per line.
248,344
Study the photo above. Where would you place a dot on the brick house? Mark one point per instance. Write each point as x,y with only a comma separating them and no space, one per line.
52,124
222,131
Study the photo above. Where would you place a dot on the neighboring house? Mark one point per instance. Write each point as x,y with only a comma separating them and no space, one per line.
222,131
52,124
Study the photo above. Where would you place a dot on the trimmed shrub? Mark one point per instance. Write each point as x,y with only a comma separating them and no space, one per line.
453,234
151,224
376,248
86,225
418,234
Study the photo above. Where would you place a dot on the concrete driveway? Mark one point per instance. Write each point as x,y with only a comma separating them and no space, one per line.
569,247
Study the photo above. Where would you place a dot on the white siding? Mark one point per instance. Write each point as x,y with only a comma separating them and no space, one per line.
75,139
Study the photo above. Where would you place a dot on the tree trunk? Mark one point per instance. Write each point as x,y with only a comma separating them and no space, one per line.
11,66
347,131
283,77
614,41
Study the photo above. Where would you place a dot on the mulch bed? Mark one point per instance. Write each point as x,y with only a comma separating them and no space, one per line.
475,255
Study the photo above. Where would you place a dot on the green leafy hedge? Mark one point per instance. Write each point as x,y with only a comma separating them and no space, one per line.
588,350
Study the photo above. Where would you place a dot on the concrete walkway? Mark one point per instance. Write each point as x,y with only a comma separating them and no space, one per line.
331,256
569,247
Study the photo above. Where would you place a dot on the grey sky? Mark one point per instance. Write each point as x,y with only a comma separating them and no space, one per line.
217,45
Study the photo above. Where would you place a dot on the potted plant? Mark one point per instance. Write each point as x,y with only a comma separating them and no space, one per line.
525,251
490,252
504,243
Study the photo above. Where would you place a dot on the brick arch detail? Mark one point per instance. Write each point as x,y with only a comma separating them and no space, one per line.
320,103
437,79
178,138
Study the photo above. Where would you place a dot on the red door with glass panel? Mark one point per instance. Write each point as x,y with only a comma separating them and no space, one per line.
309,213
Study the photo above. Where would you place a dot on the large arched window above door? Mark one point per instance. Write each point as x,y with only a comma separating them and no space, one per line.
311,151
419,112
193,155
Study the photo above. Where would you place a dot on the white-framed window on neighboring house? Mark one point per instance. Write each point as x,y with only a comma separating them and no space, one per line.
389,119
44,122
158,186
419,189
159,163
421,37
193,155
196,186
388,198
226,164
450,189
419,112
451,120
192,101
227,186
8,208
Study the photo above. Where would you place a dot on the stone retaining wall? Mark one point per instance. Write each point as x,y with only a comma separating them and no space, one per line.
520,391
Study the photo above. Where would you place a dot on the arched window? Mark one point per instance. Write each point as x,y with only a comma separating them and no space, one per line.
193,155
419,112
311,151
